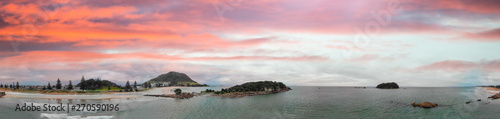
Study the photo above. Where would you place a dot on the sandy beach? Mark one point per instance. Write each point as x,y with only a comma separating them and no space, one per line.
490,90
158,91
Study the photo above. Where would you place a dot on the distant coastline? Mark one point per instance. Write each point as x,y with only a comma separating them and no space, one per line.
102,95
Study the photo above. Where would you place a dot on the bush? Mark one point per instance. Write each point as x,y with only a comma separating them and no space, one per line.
178,91
80,91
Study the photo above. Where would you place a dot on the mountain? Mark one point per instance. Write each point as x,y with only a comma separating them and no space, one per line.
173,78
390,85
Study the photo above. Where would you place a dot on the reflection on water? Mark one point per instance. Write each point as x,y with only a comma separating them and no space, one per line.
302,102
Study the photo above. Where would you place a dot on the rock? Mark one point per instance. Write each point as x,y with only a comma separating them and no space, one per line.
468,102
2,94
424,105
478,99
496,96
390,85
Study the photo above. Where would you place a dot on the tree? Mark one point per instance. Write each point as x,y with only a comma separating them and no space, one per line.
70,86
58,84
109,87
178,91
49,87
135,84
127,86
1,85
82,84
17,85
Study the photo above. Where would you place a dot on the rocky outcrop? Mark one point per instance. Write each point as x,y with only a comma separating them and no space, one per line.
2,94
424,105
390,85
180,96
250,93
496,96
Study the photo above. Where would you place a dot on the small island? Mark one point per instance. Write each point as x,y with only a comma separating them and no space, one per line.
390,85
252,88
424,105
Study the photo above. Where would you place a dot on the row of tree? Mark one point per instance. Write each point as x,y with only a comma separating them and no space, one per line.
58,86
90,84
13,86
49,87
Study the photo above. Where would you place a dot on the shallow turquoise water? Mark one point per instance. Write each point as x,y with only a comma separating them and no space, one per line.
301,102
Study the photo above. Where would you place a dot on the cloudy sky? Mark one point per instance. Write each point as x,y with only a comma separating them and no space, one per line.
226,42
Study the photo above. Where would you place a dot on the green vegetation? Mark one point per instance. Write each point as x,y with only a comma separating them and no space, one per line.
94,84
255,86
58,85
70,85
178,91
49,87
390,85
173,79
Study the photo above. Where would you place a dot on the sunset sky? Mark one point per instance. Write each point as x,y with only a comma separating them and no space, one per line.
227,42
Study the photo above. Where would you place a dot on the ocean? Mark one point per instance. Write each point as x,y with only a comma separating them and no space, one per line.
301,102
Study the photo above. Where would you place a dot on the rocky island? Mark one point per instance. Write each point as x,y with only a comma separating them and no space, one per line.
253,88
390,85
424,105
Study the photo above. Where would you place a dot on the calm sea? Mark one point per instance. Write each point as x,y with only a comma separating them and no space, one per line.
301,102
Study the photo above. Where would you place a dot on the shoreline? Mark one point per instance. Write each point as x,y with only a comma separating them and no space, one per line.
490,90
104,95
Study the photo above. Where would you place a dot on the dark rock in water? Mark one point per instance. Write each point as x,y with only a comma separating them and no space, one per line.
2,94
424,105
478,99
390,85
468,102
496,96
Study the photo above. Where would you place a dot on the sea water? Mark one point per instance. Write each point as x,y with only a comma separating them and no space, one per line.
301,102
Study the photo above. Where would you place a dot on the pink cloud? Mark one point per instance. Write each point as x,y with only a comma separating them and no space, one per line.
461,66
490,35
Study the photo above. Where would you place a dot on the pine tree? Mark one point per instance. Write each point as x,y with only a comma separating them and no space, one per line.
17,85
82,83
127,86
70,86
109,87
58,84
49,87
135,84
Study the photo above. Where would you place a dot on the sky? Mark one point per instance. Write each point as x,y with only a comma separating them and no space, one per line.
420,43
